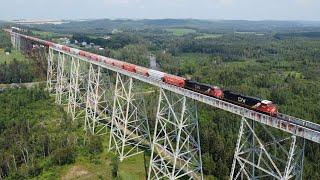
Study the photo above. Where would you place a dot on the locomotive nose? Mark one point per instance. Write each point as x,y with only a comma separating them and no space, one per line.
273,110
219,93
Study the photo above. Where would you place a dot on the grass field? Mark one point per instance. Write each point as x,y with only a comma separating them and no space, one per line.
13,55
98,167
181,31
208,36
45,35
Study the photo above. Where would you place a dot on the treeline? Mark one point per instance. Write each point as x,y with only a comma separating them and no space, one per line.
5,41
17,72
101,26
315,35
21,69
239,47
36,135
284,71
115,41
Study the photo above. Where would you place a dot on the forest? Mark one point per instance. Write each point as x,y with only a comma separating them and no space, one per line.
281,64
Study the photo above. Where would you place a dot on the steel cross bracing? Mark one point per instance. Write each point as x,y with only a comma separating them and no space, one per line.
176,133
130,128
143,142
260,155
77,88
62,85
98,103
51,71
16,41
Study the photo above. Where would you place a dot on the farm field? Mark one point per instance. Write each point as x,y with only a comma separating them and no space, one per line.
15,54
181,31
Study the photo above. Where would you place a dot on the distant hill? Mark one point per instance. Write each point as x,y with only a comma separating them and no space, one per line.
107,25
4,23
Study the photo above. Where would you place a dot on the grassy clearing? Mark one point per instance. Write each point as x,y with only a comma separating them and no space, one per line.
208,36
99,167
294,74
87,167
133,168
45,35
4,58
250,33
181,31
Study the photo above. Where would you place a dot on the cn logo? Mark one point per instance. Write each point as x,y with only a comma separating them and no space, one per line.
242,100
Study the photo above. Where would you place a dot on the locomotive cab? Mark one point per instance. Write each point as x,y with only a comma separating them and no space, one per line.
268,107
216,92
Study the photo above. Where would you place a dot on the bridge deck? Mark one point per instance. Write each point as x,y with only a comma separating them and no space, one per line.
296,126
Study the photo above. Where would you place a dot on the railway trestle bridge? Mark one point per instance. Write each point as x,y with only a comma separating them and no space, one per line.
108,100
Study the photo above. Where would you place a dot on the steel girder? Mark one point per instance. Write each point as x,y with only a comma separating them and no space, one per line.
77,89
130,128
175,149
62,85
260,155
98,103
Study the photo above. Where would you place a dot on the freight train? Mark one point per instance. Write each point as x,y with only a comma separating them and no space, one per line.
263,106
253,103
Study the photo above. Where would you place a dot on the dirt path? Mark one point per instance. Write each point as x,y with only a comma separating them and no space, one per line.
75,172
21,85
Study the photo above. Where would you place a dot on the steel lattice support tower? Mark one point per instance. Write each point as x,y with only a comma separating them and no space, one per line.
51,72
176,145
62,85
98,105
77,89
13,41
16,41
129,129
260,155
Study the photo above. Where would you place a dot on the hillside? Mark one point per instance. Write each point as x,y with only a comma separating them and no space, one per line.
38,140
106,25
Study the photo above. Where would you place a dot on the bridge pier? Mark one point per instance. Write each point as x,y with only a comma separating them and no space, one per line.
260,155
129,128
16,41
62,85
175,149
51,72
98,106
77,90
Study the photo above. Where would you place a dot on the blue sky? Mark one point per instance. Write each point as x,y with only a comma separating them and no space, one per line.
155,9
